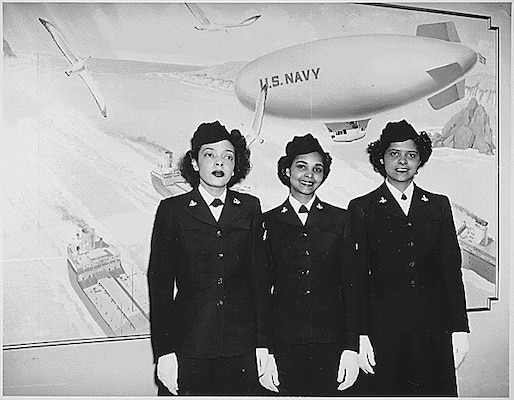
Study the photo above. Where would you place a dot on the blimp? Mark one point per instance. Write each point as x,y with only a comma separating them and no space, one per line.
345,81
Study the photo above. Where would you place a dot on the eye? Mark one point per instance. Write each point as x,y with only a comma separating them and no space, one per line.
318,170
413,155
393,153
208,154
300,166
230,157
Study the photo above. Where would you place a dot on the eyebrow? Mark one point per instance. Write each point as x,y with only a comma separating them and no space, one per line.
407,151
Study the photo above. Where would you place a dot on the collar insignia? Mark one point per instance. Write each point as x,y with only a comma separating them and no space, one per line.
192,203
382,200
284,210
236,201
319,206
424,198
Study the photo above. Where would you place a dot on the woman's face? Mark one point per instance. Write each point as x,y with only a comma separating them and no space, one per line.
401,161
305,175
215,165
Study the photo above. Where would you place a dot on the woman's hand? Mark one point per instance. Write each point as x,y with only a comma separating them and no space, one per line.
167,372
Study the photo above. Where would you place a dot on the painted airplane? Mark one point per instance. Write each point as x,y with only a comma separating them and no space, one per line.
207,25
78,65
345,81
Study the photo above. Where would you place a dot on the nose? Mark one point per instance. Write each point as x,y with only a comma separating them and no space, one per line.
308,173
403,159
219,162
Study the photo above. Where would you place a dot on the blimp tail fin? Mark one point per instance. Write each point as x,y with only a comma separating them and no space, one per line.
448,96
440,30
446,74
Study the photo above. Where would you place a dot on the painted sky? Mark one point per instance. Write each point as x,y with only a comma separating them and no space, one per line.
165,31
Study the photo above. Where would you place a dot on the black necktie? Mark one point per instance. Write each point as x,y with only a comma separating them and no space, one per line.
216,202
303,209
403,196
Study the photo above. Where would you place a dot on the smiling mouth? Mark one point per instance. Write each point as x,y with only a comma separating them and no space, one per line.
218,174
306,183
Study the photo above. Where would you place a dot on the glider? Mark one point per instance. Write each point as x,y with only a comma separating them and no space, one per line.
78,65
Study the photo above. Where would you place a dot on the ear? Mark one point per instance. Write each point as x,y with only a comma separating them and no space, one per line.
382,161
288,172
194,163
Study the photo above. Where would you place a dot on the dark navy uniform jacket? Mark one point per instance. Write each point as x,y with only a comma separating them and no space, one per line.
410,266
219,271
315,297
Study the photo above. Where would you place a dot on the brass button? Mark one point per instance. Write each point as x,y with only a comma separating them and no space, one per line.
219,303
220,256
306,252
218,234
307,292
412,264
219,281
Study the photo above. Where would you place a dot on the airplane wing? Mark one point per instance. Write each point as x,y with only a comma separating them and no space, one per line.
95,91
246,22
198,13
260,106
60,41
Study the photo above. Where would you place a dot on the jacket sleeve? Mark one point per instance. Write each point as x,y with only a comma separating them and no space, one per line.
357,253
259,279
349,277
451,263
161,281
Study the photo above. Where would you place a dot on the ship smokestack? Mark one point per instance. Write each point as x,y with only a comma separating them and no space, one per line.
168,161
88,238
481,231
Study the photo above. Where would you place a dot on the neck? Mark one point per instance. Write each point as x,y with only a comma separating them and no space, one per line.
212,190
303,198
401,186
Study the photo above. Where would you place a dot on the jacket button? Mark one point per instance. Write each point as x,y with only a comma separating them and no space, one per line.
307,292
304,234
409,224
412,264
220,256
219,303
307,272
410,244
218,234
413,283
219,281
306,252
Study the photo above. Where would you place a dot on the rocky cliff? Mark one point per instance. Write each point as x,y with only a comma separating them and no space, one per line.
468,129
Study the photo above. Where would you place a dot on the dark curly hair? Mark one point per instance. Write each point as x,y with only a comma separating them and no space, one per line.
377,149
285,162
242,163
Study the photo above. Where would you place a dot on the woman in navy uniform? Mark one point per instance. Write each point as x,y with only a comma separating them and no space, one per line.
315,299
210,337
409,260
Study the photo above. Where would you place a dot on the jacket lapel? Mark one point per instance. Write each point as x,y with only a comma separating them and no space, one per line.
386,202
287,214
420,200
197,208
316,212
232,208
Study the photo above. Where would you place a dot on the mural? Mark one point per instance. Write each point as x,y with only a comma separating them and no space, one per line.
100,100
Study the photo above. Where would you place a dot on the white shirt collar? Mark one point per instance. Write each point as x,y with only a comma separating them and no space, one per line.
296,204
397,194
209,197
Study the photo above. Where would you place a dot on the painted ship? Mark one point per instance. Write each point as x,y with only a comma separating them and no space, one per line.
168,181
111,296
478,248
